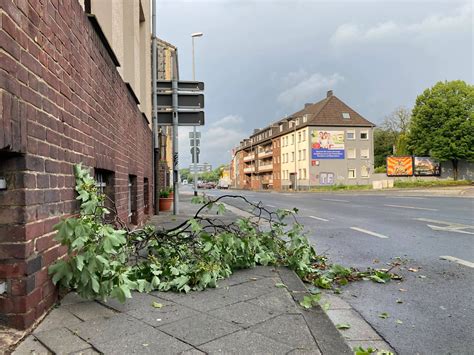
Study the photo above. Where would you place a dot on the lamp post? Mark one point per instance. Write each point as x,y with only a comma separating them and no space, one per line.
194,35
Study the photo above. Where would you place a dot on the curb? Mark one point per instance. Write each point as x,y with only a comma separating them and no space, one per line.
322,323
328,338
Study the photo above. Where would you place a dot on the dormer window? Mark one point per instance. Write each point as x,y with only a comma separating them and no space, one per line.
346,115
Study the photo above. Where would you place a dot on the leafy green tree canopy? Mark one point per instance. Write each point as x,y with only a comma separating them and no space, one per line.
442,124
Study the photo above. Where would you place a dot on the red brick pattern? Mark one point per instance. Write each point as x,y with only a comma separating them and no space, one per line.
62,101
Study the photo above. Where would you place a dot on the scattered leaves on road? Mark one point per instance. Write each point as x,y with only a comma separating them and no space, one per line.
361,351
384,315
399,300
398,321
422,276
343,326
280,285
402,290
326,306
157,305
310,301
413,269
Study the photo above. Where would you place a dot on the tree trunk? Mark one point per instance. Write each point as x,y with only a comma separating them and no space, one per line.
455,168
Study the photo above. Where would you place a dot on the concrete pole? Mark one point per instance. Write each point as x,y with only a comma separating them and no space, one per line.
174,87
194,135
156,195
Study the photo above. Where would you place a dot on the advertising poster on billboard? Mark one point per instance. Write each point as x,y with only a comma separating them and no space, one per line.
426,166
399,166
327,144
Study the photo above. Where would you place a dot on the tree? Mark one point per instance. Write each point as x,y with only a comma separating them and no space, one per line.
398,123
384,142
442,124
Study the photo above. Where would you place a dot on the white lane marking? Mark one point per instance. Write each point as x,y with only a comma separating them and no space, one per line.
448,226
333,200
412,197
370,233
457,260
412,207
319,218
454,224
448,229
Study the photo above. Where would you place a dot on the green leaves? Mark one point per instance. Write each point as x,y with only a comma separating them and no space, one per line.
310,301
384,315
343,326
156,305
361,351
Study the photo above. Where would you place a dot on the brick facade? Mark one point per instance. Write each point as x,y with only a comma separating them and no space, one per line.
62,101
276,143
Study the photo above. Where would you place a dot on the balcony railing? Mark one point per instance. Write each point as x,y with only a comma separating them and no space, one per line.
249,157
266,167
264,154
249,170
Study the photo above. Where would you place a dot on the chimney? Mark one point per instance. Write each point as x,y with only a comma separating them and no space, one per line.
307,104
256,130
329,93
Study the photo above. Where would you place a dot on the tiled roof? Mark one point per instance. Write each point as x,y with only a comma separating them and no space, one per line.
327,112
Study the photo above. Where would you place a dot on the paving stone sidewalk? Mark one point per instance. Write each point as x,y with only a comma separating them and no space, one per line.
246,314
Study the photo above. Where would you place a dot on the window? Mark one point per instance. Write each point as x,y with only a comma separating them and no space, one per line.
350,135
351,153
364,135
304,173
299,173
290,124
364,153
146,196
292,156
364,171
299,136
304,136
297,121
305,118
105,183
299,154
351,173
132,199
292,139
304,154
270,133
346,115
281,128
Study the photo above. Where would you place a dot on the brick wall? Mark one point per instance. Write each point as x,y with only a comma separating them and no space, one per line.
62,102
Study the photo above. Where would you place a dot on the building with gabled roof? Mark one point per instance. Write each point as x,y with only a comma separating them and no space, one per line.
325,143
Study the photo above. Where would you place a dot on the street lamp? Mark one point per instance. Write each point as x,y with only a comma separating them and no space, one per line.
194,35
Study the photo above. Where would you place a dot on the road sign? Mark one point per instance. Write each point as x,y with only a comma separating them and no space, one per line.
163,85
188,100
197,155
193,118
191,142
191,134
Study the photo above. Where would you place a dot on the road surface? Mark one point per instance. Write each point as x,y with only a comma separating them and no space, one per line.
435,235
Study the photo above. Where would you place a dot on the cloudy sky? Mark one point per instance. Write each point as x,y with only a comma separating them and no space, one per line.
261,59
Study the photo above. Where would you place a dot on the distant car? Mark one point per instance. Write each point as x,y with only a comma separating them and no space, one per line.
223,184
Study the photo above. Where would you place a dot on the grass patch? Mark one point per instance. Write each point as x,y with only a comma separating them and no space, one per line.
430,183
340,187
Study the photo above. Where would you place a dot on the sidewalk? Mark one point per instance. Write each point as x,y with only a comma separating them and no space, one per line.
246,314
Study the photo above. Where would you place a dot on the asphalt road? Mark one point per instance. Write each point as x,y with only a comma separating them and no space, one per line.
363,229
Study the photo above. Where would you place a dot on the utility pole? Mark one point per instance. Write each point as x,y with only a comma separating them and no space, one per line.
155,149
174,88
194,35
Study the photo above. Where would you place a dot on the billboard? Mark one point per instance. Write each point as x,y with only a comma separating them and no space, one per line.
425,166
399,166
327,144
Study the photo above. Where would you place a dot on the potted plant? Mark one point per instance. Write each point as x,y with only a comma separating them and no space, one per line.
165,200
171,192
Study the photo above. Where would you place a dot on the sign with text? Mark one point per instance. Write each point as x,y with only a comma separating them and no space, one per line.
399,166
327,144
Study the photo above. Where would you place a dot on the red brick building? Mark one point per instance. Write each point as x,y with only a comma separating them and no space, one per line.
62,102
